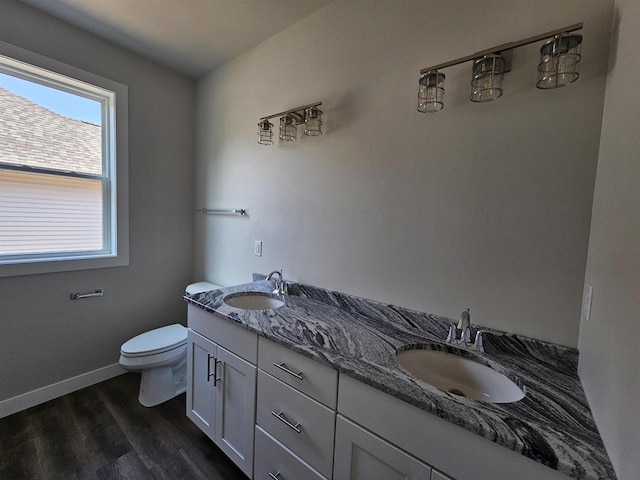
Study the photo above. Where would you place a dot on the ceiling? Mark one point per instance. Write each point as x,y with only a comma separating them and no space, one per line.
189,36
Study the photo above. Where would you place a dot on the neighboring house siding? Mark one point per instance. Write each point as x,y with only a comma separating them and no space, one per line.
48,213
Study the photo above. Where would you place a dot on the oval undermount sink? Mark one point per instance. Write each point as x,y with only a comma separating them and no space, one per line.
253,301
460,376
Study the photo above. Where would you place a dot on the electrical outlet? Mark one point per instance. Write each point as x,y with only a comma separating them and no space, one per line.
257,248
586,305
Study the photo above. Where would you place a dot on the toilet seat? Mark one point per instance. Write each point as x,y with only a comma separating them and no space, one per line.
155,342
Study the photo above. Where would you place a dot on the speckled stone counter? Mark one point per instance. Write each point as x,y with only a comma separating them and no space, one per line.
552,425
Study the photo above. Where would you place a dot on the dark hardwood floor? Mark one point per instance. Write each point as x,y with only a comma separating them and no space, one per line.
102,432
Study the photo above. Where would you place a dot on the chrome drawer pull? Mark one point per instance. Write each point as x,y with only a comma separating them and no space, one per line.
280,416
215,369
209,375
78,296
215,372
275,476
284,368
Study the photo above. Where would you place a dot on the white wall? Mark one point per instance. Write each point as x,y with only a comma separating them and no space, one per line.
609,342
44,336
484,206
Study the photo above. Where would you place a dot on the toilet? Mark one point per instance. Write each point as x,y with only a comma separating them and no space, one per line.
160,355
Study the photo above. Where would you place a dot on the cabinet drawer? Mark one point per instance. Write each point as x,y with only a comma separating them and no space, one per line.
225,333
307,375
275,460
310,429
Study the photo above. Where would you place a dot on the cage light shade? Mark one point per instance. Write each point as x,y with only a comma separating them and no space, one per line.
559,58
313,122
431,92
288,128
265,135
488,72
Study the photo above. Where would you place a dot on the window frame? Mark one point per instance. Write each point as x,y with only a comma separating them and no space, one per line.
114,97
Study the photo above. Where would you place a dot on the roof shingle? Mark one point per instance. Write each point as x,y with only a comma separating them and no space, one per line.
36,136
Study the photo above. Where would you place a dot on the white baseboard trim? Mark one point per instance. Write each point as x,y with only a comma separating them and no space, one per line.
44,394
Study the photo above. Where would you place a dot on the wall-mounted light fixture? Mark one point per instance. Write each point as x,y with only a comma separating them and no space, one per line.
488,72
559,59
558,66
265,135
431,92
288,128
310,115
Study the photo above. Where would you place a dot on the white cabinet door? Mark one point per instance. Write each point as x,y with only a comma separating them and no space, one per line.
201,354
361,455
235,408
221,392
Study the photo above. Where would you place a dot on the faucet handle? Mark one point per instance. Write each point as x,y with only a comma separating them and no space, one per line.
452,334
479,341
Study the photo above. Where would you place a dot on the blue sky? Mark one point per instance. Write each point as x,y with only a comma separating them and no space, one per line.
63,103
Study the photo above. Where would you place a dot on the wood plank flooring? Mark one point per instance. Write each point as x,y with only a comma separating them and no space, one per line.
102,432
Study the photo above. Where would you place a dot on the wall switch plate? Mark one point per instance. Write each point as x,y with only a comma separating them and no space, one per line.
586,304
257,248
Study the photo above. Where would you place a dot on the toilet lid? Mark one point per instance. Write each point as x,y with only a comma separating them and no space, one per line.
155,341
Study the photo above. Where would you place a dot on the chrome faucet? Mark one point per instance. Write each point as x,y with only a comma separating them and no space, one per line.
281,286
464,326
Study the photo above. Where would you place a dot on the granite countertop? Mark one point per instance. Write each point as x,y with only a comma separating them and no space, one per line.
552,425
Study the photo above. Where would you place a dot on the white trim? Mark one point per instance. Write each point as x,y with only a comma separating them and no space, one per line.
55,390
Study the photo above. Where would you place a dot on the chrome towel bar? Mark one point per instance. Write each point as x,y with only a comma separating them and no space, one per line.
208,211
78,296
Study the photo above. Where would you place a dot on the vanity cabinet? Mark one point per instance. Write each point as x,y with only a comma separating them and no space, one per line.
280,415
295,417
361,455
221,386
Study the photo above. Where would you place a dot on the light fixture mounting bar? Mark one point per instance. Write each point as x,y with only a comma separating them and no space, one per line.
503,47
293,110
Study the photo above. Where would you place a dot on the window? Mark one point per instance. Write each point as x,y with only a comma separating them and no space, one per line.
63,162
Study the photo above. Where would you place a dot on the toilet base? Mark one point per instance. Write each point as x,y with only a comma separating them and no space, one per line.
157,385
